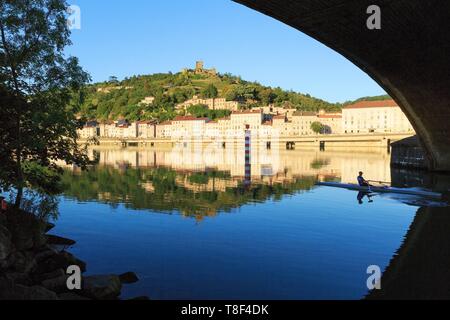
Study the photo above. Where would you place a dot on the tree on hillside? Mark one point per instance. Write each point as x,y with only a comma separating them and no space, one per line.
267,96
198,111
317,127
202,111
37,120
113,79
210,92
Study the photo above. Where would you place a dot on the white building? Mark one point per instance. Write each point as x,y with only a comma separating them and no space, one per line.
375,116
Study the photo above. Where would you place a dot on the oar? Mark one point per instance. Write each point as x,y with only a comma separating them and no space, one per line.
381,182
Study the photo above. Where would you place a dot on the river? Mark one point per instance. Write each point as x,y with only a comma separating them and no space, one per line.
193,224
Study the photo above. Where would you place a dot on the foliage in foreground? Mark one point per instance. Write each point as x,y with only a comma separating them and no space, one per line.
37,86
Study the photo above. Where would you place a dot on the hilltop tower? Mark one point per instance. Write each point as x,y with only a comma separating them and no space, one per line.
199,66
200,69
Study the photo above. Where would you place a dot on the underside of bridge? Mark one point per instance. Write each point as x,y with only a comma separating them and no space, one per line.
409,56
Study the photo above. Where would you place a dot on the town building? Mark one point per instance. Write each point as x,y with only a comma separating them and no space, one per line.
239,120
90,130
362,117
212,104
301,122
213,130
147,101
107,129
375,116
146,129
332,122
188,128
273,110
164,130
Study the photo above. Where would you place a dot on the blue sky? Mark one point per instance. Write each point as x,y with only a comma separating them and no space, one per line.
125,38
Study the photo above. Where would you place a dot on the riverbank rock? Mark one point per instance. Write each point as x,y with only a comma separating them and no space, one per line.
45,253
61,260
101,287
128,278
32,269
141,298
12,291
59,241
27,231
22,262
57,284
39,278
19,278
48,226
5,243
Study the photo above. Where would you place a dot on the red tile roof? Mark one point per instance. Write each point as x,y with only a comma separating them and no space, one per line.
373,104
146,122
189,118
330,116
248,112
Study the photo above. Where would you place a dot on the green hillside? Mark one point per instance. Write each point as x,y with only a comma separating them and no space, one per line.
373,98
113,100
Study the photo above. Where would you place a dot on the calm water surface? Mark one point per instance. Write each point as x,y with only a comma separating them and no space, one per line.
193,226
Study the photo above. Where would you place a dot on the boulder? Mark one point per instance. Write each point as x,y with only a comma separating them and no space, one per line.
22,262
3,218
58,241
19,278
51,275
57,284
101,287
27,231
11,291
61,260
45,254
128,278
144,298
5,243
48,226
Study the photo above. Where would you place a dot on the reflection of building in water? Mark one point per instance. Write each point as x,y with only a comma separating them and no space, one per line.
270,166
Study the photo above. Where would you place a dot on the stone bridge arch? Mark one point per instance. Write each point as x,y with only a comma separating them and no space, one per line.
409,56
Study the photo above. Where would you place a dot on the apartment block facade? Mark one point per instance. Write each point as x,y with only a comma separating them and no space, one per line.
375,116
363,117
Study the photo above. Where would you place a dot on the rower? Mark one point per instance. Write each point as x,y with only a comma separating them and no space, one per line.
361,181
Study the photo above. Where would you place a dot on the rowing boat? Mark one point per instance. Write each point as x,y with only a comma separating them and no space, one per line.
384,189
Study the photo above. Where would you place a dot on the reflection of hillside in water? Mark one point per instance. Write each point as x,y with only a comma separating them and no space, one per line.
199,181
161,189
202,181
